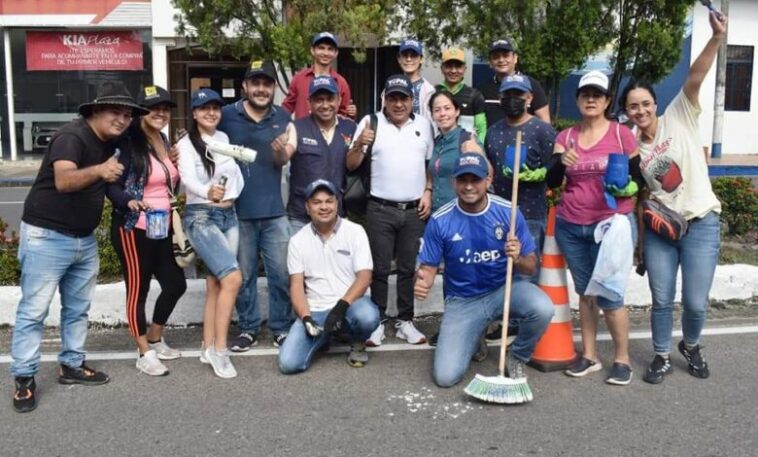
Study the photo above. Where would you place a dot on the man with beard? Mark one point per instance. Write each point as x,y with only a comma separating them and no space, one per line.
255,122
503,59
317,145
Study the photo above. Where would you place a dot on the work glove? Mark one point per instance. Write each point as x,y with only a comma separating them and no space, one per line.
527,174
336,317
628,191
311,328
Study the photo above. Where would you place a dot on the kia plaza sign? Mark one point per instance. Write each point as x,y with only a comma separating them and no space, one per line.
62,51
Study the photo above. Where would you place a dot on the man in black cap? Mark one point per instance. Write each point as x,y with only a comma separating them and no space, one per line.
58,250
503,59
400,198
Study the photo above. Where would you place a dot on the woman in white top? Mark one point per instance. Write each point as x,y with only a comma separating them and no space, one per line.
676,174
212,182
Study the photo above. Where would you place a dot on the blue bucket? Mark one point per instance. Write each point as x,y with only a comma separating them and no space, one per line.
157,224
617,173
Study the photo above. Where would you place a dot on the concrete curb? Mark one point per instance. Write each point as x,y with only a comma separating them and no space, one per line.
732,282
16,182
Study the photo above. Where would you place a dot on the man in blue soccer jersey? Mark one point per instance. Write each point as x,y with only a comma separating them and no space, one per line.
469,234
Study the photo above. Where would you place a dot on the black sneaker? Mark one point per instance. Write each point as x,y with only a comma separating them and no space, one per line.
697,365
494,335
481,353
24,399
279,339
621,374
433,339
657,370
82,375
583,367
243,342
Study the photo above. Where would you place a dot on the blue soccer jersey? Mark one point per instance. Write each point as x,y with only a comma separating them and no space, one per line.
472,245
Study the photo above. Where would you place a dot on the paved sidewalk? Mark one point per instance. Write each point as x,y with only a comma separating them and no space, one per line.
18,173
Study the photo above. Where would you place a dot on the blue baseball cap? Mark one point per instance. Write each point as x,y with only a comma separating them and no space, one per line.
326,83
324,36
516,82
202,97
472,163
502,44
398,84
411,44
319,184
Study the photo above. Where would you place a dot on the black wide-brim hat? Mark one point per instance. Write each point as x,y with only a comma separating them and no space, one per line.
113,94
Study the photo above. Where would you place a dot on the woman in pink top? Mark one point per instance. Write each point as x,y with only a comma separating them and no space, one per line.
144,187
581,154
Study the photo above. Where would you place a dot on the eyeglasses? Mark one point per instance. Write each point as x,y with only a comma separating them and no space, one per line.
637,107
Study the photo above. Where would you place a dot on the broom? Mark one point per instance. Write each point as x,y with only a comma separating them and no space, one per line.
499,389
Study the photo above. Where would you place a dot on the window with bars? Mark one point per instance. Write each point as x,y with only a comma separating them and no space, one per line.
739,77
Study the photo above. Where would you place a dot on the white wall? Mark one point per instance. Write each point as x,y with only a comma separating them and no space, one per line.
739,126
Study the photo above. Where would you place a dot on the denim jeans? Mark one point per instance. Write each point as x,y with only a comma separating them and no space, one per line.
50,261
214,234
296,354
577,243
465,320
268,237
697,254
296,225
393,232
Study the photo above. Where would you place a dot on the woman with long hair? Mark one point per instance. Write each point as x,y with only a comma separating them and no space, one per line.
144,190
212,182
676,175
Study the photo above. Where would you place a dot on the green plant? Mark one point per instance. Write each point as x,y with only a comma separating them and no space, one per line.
10,271
562,124
110,269
739,203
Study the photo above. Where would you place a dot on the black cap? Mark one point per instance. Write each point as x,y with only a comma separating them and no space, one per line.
112,93
502,44
154,95
398,84
261,68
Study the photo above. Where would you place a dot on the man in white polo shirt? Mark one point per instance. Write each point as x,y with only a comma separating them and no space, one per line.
329,262
400,198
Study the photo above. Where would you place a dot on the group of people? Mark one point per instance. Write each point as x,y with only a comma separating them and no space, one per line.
441,173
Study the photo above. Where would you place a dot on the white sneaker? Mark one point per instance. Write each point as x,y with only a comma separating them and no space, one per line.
408,332
164,351
150,365
202,354
376,338
221,363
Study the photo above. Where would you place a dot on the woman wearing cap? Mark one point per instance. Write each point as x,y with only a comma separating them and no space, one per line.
581,154
676,174
212,182
149,179
409,57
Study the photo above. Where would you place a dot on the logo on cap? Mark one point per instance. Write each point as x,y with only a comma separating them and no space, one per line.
469,160
151,91
396,82
201,95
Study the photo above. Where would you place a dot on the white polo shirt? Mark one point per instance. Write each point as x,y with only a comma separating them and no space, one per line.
330,267
398,169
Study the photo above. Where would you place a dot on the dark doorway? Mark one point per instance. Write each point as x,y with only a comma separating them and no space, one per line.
366,79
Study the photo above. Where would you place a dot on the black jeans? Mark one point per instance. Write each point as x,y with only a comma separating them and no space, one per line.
393,232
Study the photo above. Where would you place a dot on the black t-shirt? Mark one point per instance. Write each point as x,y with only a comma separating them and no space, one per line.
491,92
72,213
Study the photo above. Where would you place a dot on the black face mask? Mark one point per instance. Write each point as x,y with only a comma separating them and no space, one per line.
513,106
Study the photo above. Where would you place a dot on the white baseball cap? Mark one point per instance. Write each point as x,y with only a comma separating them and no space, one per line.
595,79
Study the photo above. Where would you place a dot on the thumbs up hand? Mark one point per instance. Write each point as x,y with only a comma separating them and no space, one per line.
424,281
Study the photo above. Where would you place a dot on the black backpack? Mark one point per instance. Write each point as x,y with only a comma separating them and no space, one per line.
358,181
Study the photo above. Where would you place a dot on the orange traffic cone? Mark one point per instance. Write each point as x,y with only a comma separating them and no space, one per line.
555,350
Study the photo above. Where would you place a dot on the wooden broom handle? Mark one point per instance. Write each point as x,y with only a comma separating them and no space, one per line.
509,269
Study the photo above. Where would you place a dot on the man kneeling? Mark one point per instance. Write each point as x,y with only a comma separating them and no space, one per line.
329,262
469,235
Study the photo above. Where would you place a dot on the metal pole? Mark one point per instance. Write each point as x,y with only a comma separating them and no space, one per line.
718,102
9,89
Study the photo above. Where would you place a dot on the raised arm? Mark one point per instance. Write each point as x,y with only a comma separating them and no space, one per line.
704,61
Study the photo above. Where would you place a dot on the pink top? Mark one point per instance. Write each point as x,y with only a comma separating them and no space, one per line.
583,202
155,193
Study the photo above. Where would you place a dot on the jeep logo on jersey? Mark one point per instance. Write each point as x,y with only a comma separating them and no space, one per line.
480,257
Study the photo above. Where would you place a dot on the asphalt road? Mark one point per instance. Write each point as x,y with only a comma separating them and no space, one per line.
12,205
390,408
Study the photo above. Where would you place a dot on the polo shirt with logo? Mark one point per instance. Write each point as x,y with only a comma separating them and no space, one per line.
329,266
472,245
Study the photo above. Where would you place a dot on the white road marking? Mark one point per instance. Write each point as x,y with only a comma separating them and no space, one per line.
255,352
12,203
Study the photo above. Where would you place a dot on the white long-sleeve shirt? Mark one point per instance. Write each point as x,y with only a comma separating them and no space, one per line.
196,181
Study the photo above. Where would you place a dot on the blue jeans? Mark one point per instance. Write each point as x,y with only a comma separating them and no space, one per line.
697,254
49,261
296,354
296,225
577,243
214,234
465,320
268,237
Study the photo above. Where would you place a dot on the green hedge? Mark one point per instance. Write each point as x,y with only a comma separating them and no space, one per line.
739,204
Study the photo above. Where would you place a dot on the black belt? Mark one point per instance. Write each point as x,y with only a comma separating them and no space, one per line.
398,205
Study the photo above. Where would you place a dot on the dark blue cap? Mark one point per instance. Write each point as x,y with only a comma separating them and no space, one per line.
398,84
318,185
326,83
475,164
516,82
324,36
411,44
202,97
502,44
